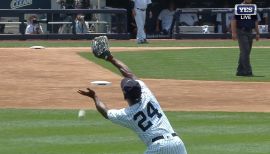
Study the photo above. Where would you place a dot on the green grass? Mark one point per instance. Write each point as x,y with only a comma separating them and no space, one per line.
131,43
60,132
195,64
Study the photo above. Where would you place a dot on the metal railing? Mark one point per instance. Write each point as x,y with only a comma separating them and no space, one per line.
115,19
176,27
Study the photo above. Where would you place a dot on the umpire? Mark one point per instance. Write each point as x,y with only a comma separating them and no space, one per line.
242,30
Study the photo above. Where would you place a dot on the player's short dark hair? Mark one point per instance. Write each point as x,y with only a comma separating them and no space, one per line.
131,89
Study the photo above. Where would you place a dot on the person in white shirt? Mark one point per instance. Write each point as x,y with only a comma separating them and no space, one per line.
139,13
33,26
166,18
143,115
189,19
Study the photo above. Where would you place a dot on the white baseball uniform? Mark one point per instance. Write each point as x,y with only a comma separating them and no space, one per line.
140,7
149,122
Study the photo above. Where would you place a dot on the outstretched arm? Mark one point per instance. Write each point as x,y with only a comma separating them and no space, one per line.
121,67
101,107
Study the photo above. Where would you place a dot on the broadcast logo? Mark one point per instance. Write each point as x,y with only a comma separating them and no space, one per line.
245,11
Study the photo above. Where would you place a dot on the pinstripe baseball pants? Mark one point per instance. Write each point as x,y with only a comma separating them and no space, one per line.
172,145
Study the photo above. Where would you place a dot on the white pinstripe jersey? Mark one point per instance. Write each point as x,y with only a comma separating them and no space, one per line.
141,4
145,118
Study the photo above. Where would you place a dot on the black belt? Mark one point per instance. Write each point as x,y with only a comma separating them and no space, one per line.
141,9
161,137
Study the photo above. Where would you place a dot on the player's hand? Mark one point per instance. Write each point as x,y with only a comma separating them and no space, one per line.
234,36
257,37
90,93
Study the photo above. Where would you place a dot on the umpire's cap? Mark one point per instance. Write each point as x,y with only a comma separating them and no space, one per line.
131,89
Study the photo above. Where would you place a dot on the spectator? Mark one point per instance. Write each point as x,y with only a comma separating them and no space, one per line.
65,28
81,4
81,26
33,26
166,18
188,19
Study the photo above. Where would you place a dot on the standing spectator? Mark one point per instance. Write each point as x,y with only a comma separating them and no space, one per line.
139,13
242,30
165,19
33,26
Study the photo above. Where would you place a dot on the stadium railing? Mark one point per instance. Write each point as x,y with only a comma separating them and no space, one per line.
177,33
109,22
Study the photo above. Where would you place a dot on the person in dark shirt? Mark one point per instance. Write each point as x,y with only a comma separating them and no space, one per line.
242,30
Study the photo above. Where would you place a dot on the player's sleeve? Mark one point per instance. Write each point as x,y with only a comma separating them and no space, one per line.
118,117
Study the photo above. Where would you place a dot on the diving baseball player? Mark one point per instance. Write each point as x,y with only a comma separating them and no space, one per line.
139,13
143,115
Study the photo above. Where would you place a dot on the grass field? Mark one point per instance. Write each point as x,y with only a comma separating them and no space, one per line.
60,131
194,64
154,43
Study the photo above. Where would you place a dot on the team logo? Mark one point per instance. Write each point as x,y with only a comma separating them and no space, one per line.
245,11
14,4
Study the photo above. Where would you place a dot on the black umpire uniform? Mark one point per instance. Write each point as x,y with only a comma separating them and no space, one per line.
242,30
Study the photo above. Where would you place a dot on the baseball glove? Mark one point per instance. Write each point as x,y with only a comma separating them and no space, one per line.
100,47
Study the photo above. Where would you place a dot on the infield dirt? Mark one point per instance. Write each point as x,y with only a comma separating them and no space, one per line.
49,79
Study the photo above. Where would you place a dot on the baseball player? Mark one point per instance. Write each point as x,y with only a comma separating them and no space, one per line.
139,13
143,115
